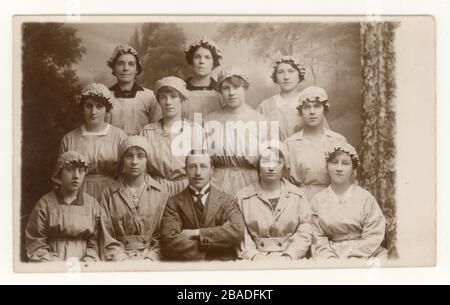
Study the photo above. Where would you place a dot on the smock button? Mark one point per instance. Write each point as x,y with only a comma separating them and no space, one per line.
127,242
144,242
261,244
280,244
287,196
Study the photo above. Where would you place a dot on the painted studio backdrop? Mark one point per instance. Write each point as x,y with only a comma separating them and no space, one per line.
354,62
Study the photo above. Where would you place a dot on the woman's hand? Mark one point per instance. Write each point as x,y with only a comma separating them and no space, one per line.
88,261
259,257
286,257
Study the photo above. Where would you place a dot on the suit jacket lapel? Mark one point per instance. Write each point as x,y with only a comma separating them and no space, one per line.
214,203
187,206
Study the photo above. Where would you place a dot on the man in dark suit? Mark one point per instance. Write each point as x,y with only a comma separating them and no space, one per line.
201,223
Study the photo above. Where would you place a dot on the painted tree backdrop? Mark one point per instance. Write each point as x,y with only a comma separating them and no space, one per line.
161,46
49,89
329,51
335,54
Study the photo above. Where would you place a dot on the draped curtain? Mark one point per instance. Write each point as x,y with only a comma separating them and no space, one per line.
378,149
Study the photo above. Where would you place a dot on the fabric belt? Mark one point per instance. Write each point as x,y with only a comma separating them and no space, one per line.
135,242
271,244
345,237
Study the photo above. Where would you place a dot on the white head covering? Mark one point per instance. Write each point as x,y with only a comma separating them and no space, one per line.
125,49
207,43
313,94
134,141
172,82
344,147
97,91
230,72
291,61
69,158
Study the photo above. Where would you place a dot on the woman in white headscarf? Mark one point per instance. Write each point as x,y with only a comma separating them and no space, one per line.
287,73
276,213
308,169
96,139
204,56
132,207
64,223
235,134
134,105
173,137
347,222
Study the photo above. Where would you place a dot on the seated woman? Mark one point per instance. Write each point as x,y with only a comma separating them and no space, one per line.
172,138
204,56
276,213
131,209
235,134
64,223
347,221
134,106
96,139
306,148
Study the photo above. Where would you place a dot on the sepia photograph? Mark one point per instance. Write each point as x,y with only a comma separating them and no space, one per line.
152,143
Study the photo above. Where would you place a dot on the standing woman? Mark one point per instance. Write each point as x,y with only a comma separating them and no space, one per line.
204,56
308,169
172,138
64,223
276,213
131,209
347,221
96,139
287,73
134,106
234,135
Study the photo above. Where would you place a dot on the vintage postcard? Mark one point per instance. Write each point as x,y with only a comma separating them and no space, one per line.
153,143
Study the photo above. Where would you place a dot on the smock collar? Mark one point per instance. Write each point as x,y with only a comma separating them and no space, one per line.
77,202
300,135
348,195
124,93
149,181
212,85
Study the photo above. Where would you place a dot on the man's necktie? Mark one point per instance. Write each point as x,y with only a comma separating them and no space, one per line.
198,204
